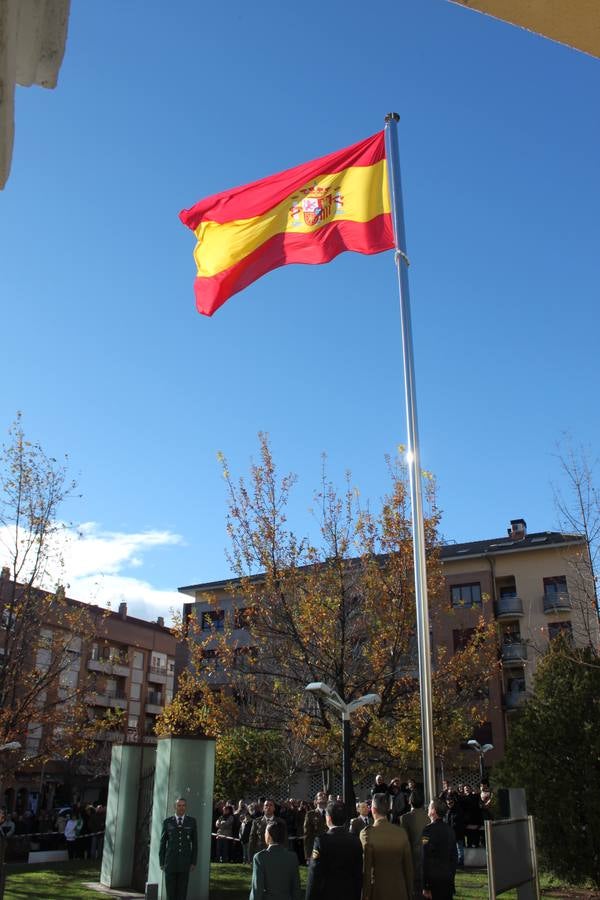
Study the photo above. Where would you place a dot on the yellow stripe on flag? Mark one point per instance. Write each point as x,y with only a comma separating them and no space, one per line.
361,192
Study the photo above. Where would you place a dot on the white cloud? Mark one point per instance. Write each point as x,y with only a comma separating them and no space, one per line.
95,566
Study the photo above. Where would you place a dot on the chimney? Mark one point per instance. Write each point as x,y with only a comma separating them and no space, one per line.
5,573
160,621
518,529
123,610
59,593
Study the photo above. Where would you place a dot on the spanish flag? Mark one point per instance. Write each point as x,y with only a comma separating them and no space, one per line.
307,214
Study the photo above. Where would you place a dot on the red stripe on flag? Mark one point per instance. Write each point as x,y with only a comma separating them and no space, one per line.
254,199
315,247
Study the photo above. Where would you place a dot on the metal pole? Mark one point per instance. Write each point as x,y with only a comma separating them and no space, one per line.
347,783
413,456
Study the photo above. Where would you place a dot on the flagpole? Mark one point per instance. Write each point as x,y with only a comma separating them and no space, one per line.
413,456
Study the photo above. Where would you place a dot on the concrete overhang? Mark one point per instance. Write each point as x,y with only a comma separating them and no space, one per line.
572,22
33,34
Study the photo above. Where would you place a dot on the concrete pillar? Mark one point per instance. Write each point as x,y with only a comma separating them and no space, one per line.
126,766
184,768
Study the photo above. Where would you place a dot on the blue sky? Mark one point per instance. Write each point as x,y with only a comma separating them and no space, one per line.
104,352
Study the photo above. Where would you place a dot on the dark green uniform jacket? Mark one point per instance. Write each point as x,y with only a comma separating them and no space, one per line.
178,844
275,875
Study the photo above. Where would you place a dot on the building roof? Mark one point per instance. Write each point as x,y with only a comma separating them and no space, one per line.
449,551
493,546
94,609
572,22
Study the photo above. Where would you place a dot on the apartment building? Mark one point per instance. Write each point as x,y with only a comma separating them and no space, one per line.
532,586
121,663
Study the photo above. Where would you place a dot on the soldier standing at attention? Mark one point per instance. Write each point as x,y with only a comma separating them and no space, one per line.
314,823
387,866
178,851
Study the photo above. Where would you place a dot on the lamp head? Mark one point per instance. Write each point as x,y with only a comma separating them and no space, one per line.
367,700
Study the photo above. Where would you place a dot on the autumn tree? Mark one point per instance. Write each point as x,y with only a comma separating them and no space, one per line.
341,610
42,703
577,502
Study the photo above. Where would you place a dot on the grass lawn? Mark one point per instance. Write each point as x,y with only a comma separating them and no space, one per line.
63,881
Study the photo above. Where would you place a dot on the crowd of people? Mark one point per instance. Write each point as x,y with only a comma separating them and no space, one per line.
78,828
392,848
236,838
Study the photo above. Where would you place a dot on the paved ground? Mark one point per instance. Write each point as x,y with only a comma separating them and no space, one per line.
109,892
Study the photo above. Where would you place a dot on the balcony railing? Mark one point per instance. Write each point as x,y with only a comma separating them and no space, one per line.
158,670
514,699
154,699
554,602
514,654
509,607
108,666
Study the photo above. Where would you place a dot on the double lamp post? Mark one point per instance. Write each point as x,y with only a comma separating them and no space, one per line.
332,698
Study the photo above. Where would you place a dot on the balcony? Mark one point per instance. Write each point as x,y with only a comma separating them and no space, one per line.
555,602
514,654
509,607
157,674
111,736
154,702
109,667
115,699
514,700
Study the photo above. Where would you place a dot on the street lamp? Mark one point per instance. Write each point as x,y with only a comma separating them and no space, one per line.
481,749
328,695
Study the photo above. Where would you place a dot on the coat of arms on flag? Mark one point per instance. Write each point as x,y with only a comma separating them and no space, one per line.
316,205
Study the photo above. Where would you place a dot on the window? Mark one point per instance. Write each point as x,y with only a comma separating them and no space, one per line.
8,619
461,637
508,593
556,628
555,585
511,634
242,656
465,595
484,734
516,685
213,619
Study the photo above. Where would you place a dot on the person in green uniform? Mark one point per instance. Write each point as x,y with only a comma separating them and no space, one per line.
178,851
275,874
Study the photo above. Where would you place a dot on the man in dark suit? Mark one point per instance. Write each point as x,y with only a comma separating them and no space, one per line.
363,819
178,851
335,867
275,870
439,855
